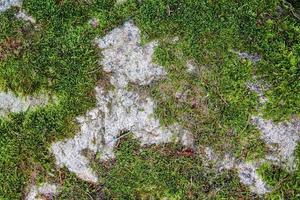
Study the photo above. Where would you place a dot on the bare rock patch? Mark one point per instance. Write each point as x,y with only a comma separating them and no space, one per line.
120,2
259,88
281,138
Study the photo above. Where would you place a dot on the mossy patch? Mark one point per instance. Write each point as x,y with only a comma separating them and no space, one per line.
56,56
285,184
165,172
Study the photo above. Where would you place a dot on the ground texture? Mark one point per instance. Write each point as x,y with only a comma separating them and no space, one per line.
150,99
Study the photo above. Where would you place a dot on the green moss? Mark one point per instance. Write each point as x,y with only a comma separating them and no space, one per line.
285,184
168,172
219,104
56,57
209,34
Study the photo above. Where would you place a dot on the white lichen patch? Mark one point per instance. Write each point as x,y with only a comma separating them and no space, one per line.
222,163
249,176
190,67
119,2
42,192
11,103
7,4
119,110
94,22
22,15
252,57
247,172
281,138
174,40
181,96
259,88
127,59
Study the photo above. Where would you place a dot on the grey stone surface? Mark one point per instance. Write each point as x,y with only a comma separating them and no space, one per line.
280,138
259,88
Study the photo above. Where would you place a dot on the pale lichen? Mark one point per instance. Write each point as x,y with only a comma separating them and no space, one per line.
7,4
9,102
44,191
252,57
22,15
259,88
247,171
120,109
281,139
248,176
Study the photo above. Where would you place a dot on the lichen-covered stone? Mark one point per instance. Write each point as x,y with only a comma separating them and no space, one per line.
22,15
6,4
44,191
259,88
281,138
252,57
11,103
127,59
119,110
247,172
249,176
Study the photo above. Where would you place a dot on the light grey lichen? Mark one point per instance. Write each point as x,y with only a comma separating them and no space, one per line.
22,15
281,139
94,22
127,59
119,110
191,68
174,40
248,176
44,191
11,103
252,57
120,2
247,172
259,88
181,96
6,4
